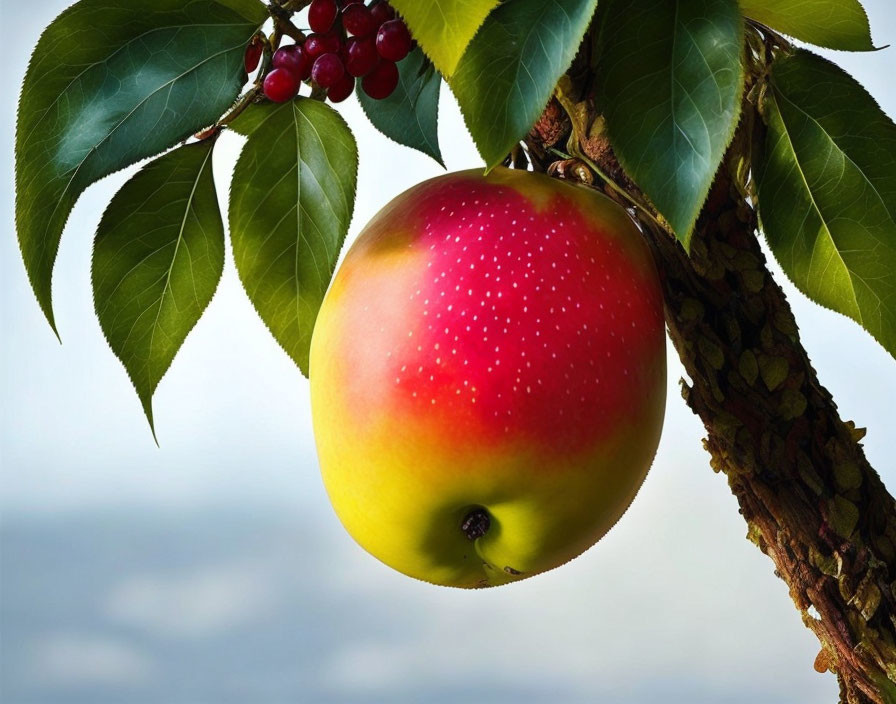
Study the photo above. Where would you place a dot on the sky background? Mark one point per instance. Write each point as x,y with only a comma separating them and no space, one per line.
212,569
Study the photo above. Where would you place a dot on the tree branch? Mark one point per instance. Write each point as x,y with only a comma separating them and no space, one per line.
810,499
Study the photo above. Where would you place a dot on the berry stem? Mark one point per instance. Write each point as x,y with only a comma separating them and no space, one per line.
293,5
281,12
318,92
288,29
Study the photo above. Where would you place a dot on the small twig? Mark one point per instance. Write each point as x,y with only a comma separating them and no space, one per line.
251,95
771,37
295,5
577,119
287,28
244,101
282,13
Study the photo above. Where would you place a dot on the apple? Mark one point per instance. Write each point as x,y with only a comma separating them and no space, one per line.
488,376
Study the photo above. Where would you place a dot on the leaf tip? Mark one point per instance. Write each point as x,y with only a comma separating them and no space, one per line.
55,330
146,402
51,319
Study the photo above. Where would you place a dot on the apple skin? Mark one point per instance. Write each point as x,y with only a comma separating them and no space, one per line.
490,342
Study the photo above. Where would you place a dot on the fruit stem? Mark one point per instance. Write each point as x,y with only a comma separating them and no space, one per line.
612,184
580,127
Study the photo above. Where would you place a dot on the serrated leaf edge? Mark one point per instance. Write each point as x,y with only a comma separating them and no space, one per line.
46,306
685,238
239,275
444,69
770,96
466,118
146,400
437,157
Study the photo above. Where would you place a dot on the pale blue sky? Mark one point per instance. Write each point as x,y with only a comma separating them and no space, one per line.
673,601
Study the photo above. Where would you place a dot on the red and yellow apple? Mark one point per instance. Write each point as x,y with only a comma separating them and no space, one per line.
488,376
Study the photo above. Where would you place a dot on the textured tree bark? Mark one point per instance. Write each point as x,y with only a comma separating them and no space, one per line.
810,499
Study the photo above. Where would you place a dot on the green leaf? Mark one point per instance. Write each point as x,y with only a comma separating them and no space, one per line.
835,24
410,115
671,90
113,82
512,66
291,203
157,260
444,28
827,191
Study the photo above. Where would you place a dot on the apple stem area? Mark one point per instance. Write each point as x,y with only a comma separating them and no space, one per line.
811,500
476,523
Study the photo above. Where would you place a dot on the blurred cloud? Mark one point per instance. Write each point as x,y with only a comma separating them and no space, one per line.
284,608
374,668
77,660
194,604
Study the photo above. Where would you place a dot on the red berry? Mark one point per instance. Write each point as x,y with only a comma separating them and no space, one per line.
393,41
317,44
361,56
357,20
340,90
382,12
293,58
327,70
321,15
253,55
281,85
380,82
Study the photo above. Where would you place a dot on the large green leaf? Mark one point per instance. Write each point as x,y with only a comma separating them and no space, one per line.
671,83
835,24
157,260
827,191
512,66
112,82
291,203
444,28
410,115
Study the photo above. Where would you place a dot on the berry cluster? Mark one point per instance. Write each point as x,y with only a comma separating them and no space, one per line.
349,40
